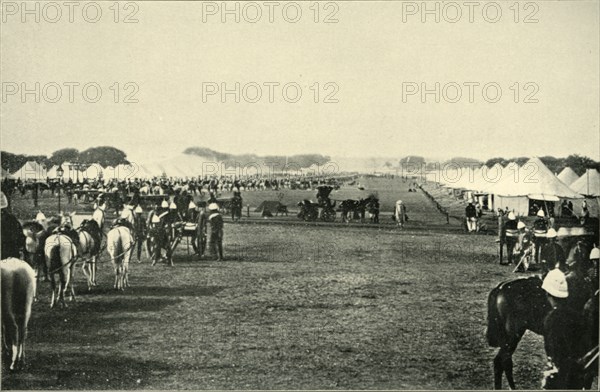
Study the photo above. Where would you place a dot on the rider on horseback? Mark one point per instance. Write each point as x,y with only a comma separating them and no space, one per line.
13,239
561,341
551,254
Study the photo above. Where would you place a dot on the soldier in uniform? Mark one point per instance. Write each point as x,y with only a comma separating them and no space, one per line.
580,287
540,229
12,237
551,254
510,234
562,343
215,231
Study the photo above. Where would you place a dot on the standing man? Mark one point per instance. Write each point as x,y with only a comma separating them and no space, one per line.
594,270
561,340
540,230
510,233
140,231
215,231
471,214
400,213
12,237
202,228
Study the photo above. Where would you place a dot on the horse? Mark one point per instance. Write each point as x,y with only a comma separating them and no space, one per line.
18,290
514,306
60,252
356,207
372,206
120,246
90,238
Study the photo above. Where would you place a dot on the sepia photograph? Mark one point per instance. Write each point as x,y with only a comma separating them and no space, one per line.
299,195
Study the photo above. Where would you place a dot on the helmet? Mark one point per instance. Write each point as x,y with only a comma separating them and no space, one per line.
595,254
555,284
551,233
40,217
192,205
3,200
172,206
541,214
511,216
155,219
164,204
520,225
213,207
138,210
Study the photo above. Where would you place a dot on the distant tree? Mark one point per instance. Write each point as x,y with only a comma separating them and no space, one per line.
580,163
105,156
491,162
64,155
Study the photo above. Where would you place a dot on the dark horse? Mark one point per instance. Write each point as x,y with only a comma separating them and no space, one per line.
515,306
355,207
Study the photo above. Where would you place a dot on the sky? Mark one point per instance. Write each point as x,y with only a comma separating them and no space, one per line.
360,79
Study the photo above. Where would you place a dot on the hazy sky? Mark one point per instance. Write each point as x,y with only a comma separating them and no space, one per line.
370,54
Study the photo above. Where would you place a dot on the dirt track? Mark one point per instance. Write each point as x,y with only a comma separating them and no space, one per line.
293,306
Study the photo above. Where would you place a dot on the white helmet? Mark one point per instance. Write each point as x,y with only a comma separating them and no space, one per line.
192,205
520,225
511,216
551,233
541,214
172,206
555,284
3,200
164,204
595,254
213,207
138,210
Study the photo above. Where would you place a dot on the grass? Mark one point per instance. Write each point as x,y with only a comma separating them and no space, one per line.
291,307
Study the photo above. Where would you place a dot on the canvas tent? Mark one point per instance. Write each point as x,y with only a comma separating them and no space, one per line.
588,184
31,170
532,181
568,176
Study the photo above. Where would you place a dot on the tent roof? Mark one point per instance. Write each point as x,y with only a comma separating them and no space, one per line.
31,170
588,184
568,176
533,180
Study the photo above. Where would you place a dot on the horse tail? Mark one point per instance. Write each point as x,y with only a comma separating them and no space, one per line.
495,331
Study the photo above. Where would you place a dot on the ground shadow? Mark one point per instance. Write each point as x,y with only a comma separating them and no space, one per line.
84,370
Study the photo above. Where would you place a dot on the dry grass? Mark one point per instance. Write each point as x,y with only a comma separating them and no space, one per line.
302,307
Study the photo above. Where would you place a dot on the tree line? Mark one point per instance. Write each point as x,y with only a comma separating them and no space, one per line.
276,161
103,155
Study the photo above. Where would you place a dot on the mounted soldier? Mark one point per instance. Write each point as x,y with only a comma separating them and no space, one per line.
562,343
551,254
12,237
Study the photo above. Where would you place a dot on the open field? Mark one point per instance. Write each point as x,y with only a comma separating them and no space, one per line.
291,307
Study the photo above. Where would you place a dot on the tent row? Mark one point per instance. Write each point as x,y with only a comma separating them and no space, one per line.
517,188
182,166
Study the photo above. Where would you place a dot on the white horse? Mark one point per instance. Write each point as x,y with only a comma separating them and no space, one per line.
120,244
18,289
60,252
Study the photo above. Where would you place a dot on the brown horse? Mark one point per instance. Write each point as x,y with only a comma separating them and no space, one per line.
18,288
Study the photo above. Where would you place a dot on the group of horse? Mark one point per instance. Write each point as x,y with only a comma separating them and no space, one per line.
518,305
52,248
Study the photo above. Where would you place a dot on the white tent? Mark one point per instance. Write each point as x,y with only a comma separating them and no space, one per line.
52,172
588,184
31,170
568,176
532,181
